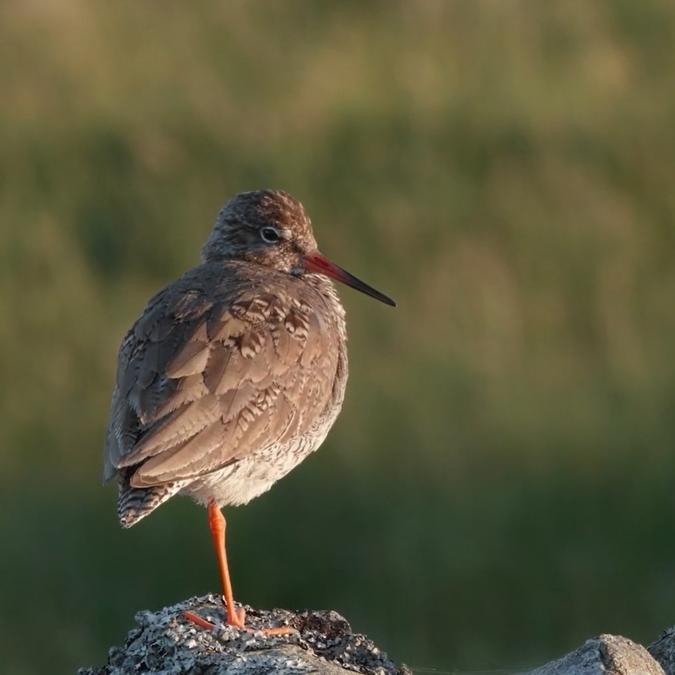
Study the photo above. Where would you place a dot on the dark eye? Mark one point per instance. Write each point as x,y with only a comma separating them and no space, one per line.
270,235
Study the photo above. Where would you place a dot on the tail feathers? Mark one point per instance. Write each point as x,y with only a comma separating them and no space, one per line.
133,504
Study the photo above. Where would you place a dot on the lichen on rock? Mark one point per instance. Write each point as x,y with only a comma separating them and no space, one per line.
166,642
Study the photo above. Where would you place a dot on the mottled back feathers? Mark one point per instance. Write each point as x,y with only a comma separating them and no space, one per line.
230,359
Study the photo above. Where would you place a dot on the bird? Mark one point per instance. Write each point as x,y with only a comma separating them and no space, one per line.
234,373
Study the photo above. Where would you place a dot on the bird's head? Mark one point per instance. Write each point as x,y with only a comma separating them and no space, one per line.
270,228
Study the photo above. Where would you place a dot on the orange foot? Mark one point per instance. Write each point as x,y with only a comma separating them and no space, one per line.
207,625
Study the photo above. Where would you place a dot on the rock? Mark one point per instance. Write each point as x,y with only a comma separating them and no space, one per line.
323,642
167,643
663,650
604,655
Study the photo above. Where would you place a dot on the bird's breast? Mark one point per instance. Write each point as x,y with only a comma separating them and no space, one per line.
242,481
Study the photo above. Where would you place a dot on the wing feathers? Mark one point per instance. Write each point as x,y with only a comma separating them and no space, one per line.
174,429
205,381
190,360
185,460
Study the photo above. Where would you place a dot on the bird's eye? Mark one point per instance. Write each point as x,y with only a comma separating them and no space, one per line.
270,235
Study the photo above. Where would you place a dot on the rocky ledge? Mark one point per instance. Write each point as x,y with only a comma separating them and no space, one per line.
166,643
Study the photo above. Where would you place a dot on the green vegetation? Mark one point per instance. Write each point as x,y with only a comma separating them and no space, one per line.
500,484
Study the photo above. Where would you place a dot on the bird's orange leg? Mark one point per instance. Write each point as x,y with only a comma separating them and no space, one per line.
235,618
217,526
195,618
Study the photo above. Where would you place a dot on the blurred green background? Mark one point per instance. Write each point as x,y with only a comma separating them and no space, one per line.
500,484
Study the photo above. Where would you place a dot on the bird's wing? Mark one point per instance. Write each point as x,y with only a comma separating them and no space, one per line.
202,383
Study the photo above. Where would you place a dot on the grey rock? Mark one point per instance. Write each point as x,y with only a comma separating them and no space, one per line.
166,643
663,650
604,655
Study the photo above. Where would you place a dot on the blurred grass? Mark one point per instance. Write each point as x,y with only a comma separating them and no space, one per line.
499,486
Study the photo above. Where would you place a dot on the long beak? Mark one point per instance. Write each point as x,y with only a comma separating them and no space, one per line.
316,262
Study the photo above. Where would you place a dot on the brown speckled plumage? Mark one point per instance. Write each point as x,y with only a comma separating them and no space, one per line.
235,372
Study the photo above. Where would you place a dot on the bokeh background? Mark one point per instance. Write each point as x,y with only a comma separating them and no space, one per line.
500,484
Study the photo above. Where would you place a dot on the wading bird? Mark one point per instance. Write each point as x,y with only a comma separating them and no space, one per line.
232,374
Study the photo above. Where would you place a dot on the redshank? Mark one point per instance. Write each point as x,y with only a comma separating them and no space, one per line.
233,373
